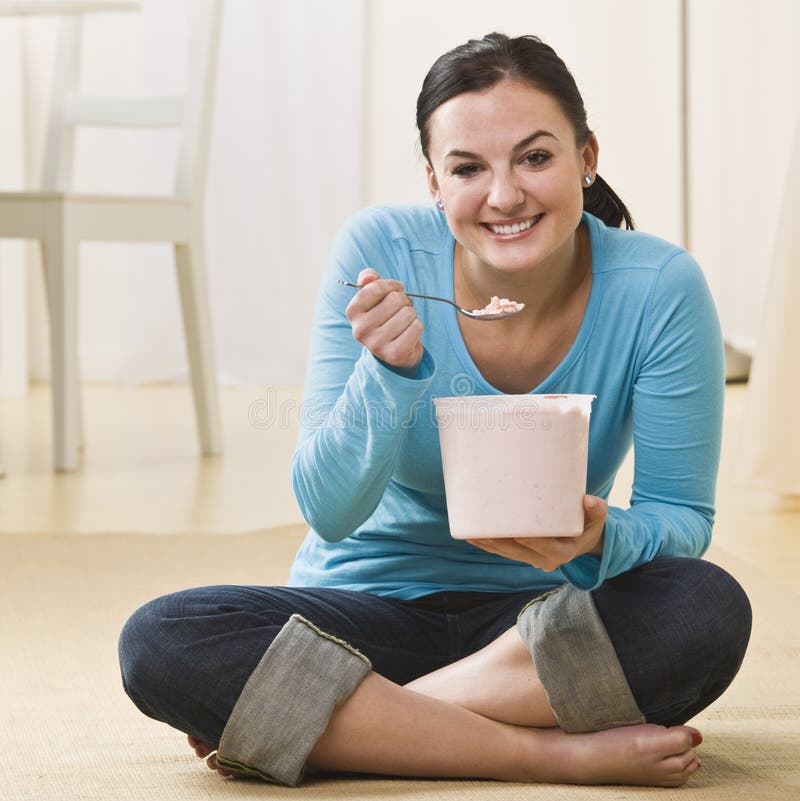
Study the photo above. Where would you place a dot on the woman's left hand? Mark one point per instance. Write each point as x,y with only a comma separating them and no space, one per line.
549,553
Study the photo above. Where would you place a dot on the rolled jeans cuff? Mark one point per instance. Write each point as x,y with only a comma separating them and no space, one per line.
288,701
576,662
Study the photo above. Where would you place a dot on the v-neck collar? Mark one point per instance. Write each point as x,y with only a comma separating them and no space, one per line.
550,383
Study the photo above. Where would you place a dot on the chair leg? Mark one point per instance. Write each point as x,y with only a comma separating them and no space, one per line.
60,262
81,420
190,266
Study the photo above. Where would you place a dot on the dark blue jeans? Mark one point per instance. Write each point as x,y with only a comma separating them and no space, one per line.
679,627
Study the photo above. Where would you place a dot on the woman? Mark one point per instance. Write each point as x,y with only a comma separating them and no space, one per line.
398,650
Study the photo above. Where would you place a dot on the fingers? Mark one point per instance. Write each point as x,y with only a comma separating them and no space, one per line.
406,349
383,319
549,553
395,325
367,275
380,297
546,553
520,550
595,509
392,334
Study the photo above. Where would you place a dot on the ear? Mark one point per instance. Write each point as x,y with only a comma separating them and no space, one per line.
589,154
433,183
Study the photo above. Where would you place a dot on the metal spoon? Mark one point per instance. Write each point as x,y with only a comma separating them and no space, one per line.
474,315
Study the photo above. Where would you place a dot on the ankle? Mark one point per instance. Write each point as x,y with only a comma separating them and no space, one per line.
529,751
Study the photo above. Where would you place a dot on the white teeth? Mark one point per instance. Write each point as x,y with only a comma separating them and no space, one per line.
514,229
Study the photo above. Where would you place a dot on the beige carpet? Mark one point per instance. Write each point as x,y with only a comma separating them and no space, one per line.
68,731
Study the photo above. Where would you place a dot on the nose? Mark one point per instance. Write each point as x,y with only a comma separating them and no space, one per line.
505,193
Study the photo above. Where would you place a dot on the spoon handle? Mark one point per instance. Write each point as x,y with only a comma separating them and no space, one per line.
410,294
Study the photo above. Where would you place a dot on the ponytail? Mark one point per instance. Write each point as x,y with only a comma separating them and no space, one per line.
603,202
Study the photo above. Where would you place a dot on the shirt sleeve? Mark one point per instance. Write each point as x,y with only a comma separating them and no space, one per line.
355,407
677,430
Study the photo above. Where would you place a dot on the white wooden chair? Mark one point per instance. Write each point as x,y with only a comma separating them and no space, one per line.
59,219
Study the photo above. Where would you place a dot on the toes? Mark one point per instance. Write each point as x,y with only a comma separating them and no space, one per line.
680,769
679,762
214,765
697,737
202,749
209,754
693,766
686,738
683,776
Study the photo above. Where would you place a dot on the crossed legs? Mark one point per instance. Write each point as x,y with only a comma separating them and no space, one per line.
474,719
484,716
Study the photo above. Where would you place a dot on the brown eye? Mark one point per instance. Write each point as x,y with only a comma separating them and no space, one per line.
536,158
465,170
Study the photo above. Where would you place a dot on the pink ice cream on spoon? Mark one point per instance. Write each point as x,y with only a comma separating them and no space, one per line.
499,305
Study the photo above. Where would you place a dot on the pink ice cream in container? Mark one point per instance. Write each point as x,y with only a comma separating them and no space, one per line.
514,465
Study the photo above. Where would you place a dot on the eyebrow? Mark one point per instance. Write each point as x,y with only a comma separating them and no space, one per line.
465,154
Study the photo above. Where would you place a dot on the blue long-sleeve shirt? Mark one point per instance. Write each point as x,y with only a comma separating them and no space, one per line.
367,471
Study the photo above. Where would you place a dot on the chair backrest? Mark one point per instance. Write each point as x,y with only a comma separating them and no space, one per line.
191,113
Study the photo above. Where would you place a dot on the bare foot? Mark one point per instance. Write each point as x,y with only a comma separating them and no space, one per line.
209,754
646,754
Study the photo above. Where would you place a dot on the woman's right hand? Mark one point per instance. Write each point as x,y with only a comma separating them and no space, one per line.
384,321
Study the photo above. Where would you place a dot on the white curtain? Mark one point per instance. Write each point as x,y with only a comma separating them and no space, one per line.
284,172
745,205
743,94
769,447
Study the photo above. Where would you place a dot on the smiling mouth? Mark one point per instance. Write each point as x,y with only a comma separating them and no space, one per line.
515,228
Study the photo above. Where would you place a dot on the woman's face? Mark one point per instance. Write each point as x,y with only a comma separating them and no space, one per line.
506,165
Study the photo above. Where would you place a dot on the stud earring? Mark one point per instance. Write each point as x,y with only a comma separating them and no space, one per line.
588,179
440,204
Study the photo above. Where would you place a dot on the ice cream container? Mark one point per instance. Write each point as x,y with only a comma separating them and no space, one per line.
514,465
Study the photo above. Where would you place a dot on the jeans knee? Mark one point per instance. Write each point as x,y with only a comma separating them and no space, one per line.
683,641
728,617
720,640
180,663
711,612
140,648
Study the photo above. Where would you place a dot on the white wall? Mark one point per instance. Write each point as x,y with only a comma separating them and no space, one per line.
284,172
297,151
13,284
623,54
